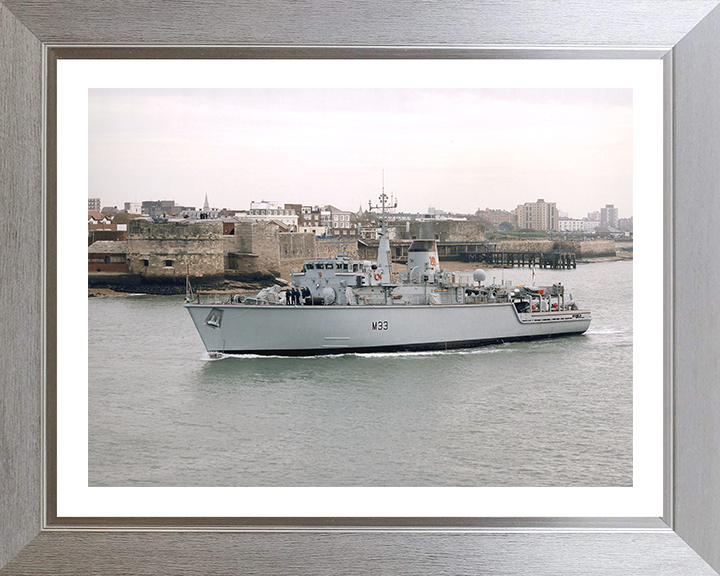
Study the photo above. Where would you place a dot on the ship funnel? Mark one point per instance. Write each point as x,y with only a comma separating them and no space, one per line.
423,257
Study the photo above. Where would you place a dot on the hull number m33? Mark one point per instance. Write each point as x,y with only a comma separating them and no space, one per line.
382,325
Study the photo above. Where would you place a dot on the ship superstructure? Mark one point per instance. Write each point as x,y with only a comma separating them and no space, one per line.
348,305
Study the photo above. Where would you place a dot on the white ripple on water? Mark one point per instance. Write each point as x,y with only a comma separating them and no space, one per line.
609,331
491,349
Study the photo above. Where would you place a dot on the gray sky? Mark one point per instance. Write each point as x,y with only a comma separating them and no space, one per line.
455,150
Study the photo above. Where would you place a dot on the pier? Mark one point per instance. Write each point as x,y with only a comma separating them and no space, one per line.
555,259
496,254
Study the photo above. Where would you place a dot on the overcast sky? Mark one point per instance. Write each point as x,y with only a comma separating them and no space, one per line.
454,150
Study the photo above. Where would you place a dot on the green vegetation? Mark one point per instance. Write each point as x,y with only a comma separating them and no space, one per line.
517,234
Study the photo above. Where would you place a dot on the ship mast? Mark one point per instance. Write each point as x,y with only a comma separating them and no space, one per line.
384,261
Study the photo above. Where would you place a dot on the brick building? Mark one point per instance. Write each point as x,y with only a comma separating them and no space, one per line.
107,256
494,218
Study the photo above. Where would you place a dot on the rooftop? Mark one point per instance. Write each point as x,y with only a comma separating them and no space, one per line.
108,247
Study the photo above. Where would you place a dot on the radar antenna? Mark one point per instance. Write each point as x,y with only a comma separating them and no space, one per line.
384,205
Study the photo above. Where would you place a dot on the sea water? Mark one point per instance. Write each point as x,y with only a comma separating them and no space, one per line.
554,412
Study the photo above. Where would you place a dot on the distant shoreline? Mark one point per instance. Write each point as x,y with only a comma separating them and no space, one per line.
242,287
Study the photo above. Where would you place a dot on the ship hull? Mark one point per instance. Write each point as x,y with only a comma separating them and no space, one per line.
318,330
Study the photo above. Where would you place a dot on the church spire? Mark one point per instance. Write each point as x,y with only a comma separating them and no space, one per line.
206,206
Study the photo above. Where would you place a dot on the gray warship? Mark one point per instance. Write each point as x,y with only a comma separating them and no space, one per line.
359,306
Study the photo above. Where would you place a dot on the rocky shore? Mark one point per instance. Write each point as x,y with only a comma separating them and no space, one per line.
226,287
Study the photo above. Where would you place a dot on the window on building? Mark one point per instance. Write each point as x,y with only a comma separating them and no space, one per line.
146,262
168,263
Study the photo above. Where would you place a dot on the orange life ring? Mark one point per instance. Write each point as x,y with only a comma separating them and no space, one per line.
432,260
378,275
320,274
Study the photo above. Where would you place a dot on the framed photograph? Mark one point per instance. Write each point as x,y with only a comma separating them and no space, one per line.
525,419
659,517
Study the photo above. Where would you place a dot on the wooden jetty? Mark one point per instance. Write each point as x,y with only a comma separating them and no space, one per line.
490,254
550,259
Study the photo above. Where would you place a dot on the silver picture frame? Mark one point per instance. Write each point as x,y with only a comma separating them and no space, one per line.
684,34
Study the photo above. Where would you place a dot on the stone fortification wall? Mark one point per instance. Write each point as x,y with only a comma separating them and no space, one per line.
162,251
582,249
526,245
442,230
590,248
328,248
297,246
253,248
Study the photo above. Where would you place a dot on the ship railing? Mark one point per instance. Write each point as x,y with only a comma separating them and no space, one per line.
251,301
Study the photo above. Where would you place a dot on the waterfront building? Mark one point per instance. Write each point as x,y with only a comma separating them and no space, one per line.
164,208
308,219
156,207
121,219
579,226
267,211
107,256
538,215
625,224
343,223
100,221
94,205
317,230
133,207
494,218
609,216
432,211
